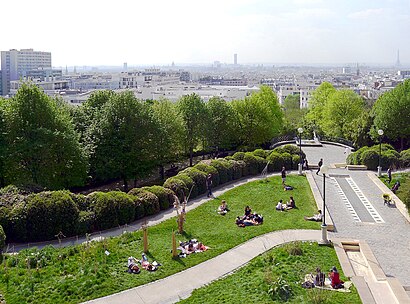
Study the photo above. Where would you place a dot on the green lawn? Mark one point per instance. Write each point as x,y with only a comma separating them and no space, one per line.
251,283
403,178
78,273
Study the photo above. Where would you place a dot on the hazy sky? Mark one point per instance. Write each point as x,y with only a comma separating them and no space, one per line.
107,32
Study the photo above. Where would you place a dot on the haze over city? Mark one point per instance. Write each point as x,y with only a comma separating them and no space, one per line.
185,32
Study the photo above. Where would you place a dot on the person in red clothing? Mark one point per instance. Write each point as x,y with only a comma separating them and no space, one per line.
335,278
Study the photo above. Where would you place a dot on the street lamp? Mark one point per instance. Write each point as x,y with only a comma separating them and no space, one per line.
300,167
379,168
324,170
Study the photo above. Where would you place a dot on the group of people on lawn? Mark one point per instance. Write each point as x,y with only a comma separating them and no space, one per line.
333,278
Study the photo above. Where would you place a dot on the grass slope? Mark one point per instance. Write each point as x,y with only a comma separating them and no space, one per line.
251,283
79,273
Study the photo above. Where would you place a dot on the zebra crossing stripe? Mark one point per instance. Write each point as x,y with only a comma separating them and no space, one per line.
346,201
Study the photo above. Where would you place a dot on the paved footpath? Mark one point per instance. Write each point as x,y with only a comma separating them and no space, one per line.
206,272
389,239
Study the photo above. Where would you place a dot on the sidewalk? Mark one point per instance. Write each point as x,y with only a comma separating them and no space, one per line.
206,272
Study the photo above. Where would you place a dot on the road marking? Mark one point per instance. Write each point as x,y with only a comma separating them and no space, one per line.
345,200
373,212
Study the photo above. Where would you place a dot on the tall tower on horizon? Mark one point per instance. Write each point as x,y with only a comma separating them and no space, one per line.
235,59
398,58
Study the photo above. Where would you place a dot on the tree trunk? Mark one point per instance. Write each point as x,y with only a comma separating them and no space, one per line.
161,172
125,185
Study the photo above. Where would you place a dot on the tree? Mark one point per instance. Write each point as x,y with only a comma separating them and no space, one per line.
3,143
259,117
123,143
342,109
293,113
318,104
43,147
168,133
192,110
221,123
392,113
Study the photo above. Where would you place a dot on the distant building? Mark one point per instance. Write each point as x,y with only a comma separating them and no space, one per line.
15,63
1,84
50,87
235,59
125,67
404,74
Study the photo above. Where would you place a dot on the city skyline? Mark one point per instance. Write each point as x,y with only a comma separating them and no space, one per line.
160,32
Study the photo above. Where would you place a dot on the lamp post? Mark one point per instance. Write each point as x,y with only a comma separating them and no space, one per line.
300,167
324,170
379,168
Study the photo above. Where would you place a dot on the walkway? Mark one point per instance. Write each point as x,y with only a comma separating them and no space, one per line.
206,272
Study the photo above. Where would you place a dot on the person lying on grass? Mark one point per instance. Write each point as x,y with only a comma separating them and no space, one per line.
191,246
250,220
132,266
316,218
147,265
223,208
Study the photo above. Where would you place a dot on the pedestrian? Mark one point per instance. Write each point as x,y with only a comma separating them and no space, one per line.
389,174
306,164
283,172
209,185
319,165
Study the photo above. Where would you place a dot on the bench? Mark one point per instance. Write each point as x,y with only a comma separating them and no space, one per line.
356,167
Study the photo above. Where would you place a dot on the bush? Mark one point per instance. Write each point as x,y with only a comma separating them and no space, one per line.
49,213
287,160
238,156
229,167
222,170
295,161
178,186
11,195
205,167
350,157
406,198
104,209
124,206
405,158
165,196
4,216
85,222
236,169
199,178
80,200
260,152
370,158
251,163
276,162
357,156
192,187
292,149
390,158
16,230
148,200
2,239
261,162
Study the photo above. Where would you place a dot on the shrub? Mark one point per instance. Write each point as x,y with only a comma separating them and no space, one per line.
80,200
238,156
406,198
165,196
405,158
104,210
199,178
261,162
49,213
251,163
370,158
124,206
390,158
2,239
229,157
295,161
280,290
236,169
292,149
148,200
204,167
260,152
229,167
287,160
192,187
4,216
357,156
178,186
17,227
276,162
11,195
350,157
85,222
222,170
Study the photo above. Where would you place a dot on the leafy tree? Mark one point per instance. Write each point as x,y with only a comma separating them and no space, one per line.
168,133
123,143
3,144
318,104
392,113
342,109
43,147
221,123
259,117
293,114
192,111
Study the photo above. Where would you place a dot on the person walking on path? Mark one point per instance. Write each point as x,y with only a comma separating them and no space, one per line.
283,172
209,185
319,165
389,174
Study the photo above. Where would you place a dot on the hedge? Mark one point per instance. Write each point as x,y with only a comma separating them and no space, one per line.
86,222
206,168
165,196
276,161
295,161
287,160
251,163
260,152
370,158
199,178
222,170
16,229
124,205
147,200
236,169
229,167
178,186
104,209
2,239
238,156
405,158
192,187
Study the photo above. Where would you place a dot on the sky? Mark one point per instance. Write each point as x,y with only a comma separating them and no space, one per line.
107,32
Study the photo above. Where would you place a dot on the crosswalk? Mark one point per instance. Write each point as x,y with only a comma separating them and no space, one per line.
347,203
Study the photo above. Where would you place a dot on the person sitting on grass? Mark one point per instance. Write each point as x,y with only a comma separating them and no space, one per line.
280,206
335,278
291,204
395,187
316,218
319,278
223,208
248,211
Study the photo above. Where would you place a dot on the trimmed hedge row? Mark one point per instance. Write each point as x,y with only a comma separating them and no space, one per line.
369,156
40,217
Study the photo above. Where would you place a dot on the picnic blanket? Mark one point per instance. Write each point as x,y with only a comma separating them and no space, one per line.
310,278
